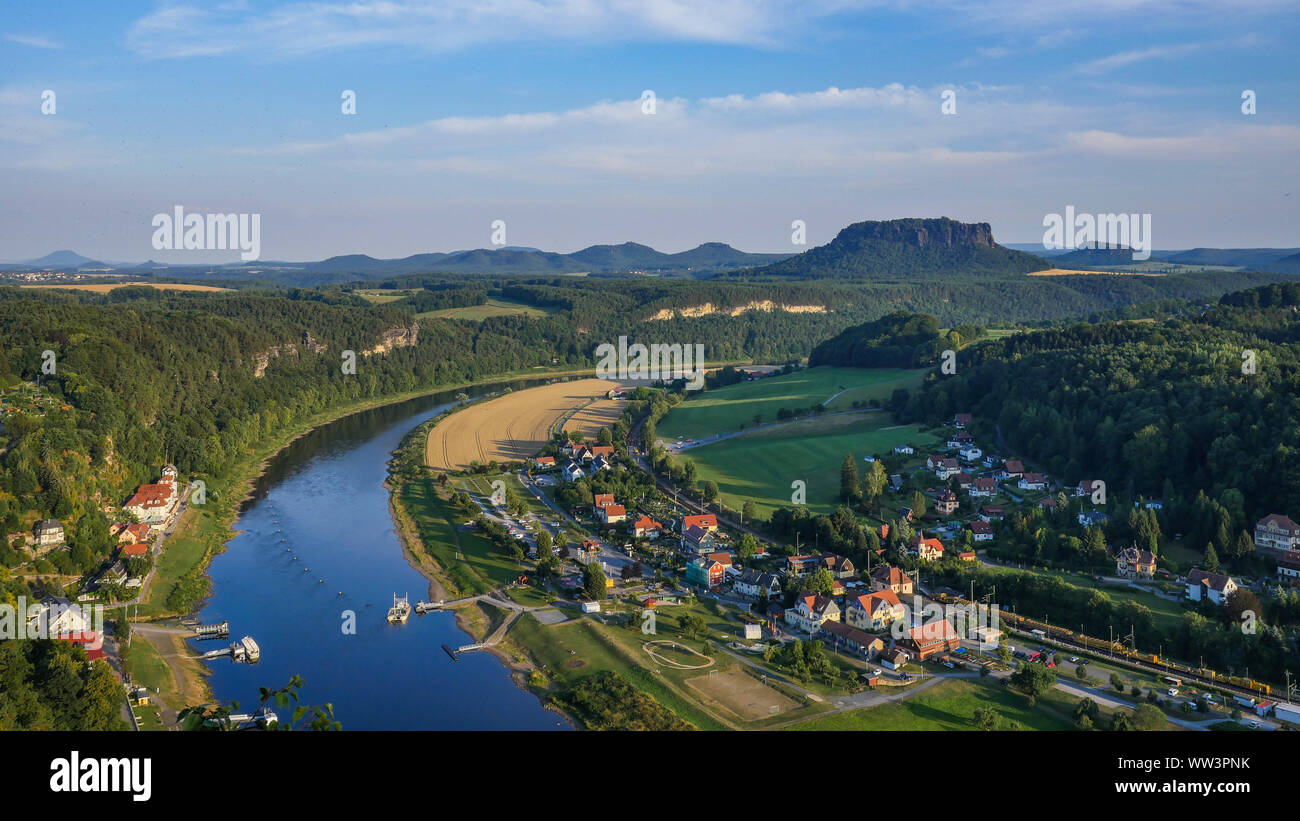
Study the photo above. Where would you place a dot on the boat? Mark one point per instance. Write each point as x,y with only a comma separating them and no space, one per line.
401,609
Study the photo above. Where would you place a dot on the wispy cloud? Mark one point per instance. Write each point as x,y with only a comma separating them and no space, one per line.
33,40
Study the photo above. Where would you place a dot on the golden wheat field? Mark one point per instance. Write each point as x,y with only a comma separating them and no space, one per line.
514,427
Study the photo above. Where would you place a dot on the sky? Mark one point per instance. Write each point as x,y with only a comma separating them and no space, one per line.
537,113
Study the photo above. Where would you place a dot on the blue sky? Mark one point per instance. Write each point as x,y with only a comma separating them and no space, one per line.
529,111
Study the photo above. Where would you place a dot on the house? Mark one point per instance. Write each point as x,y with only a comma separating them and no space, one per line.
1135,564
1277,531
1012,469
115,573
572,472
988,637
981,531
983,487
810,612
960,440
646,528
970,453
135,550
755,584
963,480
544,463
613,514
961,420
1092,518
133,533
947,468
1288,567
895,482
1032,481
591,607
600,500
945,502
841,567
697,540
893,659
968,556
927,550
894,579
600,463
990,512
851,639
723,558
705,572
1087,486
153,503
905,514
1202,584
57,616
1047,503
49,533
929,639
905,450
874,611
705,521
601,452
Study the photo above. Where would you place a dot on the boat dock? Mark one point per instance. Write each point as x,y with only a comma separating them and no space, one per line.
245,650
211,631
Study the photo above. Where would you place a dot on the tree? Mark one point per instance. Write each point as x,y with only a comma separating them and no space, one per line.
820,582
1211,560
749,510
1033,679
1117,682
849,490
746,546
692,625
918,503
709,491
874,481
544,544
1081,671
593,580
1148,717
986,718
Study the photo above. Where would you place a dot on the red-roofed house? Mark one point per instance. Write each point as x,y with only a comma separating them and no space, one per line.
811,611
1277,531
646,528
927,550
707,521
884,577
135,550
603,500
984,486
935,637
961,420
1012,469
544,462
613,514
981,530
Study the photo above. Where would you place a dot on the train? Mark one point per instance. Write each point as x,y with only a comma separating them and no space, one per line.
1117,649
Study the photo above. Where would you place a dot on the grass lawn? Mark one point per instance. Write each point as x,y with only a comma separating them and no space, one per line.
383,295
148,668
762,466
1165,613
470,562
183,550
477,313
949,705
725,409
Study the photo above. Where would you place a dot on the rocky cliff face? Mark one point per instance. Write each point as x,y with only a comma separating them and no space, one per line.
398,337
920,233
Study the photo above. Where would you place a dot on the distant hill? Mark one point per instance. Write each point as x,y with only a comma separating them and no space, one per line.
1099,255
1256,259
1286,265
908,247
899,340
69,260
629,256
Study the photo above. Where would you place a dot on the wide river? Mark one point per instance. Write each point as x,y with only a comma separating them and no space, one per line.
316,540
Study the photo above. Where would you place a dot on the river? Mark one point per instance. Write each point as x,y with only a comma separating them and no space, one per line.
315,540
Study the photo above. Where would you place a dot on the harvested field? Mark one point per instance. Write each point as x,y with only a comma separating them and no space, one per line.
514,427
1063,272
105,287
741,694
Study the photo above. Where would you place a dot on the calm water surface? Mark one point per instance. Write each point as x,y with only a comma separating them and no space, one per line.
317,539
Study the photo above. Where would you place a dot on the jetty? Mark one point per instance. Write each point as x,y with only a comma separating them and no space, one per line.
211,631
243,651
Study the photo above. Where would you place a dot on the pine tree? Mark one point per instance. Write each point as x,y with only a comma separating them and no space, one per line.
849,491
1211,562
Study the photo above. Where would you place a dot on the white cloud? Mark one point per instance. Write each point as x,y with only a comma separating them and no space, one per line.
33,40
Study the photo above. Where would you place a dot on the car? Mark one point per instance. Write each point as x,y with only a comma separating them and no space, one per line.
1074,659
877,672
949,665
1254,725
1173,691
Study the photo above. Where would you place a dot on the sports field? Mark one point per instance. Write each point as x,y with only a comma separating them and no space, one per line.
761,466
514,427
726,409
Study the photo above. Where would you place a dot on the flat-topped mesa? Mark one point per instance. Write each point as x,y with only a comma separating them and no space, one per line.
920,233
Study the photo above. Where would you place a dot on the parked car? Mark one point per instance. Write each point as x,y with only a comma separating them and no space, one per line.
1173,691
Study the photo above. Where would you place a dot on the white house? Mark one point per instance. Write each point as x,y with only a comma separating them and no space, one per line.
1032,481
906,450
970,453
1202,584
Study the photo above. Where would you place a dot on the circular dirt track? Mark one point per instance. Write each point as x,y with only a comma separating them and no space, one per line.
654,650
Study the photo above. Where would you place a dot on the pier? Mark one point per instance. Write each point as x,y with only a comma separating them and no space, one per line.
211,631
245,650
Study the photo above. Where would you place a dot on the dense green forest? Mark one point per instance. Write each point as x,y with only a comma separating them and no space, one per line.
899,340
47,685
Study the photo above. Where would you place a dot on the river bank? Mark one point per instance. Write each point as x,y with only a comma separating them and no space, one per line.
205,532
